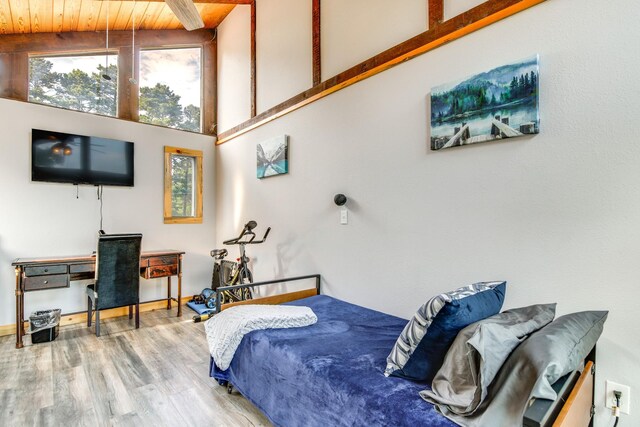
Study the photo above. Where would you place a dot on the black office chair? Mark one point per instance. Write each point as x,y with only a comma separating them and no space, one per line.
117,276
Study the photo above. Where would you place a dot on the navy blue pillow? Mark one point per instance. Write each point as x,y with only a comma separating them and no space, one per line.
421,348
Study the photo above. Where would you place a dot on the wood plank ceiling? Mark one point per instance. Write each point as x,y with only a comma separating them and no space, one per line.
55,16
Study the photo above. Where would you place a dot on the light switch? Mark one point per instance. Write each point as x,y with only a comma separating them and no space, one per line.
344,217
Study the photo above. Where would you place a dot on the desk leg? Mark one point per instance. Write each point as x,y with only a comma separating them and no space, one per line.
180,286
19,308
169,293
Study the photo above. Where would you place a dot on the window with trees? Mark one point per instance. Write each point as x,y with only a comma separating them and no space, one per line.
182,185
165,99
86,83
170,86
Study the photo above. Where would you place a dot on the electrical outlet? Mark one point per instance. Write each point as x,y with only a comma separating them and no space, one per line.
610,399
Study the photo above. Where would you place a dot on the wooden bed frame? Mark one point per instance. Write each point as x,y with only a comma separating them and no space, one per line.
574,406
273,299
579,408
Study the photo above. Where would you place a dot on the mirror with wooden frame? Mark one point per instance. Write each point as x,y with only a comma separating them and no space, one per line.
182,186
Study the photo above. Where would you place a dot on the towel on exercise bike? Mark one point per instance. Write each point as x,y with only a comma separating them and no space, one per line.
225,330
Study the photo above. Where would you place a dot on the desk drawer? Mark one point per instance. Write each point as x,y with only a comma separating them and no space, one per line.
161,271
48,269
82,268
163,260
46,282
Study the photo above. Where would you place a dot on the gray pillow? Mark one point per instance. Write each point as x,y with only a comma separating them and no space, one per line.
477,354
544,357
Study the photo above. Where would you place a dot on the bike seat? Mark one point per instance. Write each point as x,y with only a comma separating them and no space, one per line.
219,253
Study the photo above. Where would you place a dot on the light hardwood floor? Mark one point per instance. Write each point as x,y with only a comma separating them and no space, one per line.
156,375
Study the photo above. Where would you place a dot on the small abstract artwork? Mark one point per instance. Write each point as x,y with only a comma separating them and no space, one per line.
273,157
489,106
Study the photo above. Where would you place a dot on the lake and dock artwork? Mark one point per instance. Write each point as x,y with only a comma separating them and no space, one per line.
273,157
497,104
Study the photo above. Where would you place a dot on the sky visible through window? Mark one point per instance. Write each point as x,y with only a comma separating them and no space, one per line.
88,64
170,87
178,68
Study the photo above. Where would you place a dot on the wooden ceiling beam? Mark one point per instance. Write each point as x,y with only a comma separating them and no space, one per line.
81,40
317,57
210,88
128,99
436,12
467,22
254,75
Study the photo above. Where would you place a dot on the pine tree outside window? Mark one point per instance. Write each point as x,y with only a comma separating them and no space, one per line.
75,82
182,186
171,99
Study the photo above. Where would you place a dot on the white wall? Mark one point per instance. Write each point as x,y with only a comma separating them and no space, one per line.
557,214
355,30
454,8
284,64
234,68
46,219
352,32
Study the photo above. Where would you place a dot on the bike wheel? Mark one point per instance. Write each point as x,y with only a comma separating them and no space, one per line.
246,277
241,277
246,294
226,297
236,294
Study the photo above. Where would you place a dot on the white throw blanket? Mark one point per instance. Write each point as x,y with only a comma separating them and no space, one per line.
226,329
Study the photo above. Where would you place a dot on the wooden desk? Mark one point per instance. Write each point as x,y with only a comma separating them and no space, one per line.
33,274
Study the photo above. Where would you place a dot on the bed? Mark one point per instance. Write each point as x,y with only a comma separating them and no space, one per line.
332,373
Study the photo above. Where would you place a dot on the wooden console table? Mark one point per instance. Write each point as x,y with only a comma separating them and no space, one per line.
33,274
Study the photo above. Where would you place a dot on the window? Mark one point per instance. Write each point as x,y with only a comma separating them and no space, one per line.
75,82
182,186
165,99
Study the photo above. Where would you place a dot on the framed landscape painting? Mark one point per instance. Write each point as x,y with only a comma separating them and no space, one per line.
273,157
497,104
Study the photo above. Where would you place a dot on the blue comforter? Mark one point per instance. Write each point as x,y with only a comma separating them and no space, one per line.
330,373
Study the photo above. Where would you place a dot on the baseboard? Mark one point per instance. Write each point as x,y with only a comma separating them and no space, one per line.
74,318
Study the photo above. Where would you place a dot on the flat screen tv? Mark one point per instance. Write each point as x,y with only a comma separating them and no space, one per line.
80,159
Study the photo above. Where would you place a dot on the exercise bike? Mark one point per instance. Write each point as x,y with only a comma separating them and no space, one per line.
231,273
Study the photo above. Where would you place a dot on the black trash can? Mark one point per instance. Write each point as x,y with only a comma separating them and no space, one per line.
44,325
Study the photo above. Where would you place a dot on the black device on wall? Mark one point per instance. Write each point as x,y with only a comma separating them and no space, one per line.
80,159
340,199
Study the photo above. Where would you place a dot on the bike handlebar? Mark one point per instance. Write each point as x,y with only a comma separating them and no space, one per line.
263,237
247,231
